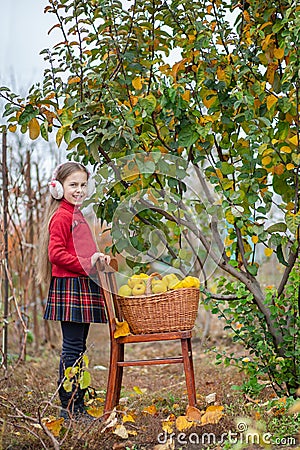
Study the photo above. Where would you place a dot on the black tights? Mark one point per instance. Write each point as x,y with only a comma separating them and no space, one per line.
74,344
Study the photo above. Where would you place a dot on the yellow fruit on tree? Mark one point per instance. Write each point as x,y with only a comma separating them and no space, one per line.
125,291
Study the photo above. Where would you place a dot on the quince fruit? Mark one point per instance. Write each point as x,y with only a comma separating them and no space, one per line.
171,279
139,289
134,280
193,281
125,291
159,286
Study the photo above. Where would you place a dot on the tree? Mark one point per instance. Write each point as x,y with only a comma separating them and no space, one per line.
227,108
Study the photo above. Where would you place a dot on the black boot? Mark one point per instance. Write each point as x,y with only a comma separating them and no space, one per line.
67,403
79,401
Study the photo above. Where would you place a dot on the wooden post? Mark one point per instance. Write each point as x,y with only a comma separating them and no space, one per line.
5,232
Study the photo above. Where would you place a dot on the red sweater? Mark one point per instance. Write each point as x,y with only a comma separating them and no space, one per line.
71,243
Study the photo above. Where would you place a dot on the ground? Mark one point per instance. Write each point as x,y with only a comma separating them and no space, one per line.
152,397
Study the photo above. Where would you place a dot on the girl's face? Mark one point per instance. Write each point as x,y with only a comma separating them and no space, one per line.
75,187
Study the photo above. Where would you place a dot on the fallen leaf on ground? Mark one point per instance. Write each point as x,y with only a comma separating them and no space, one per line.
121,431
167,426
128,418
139,390
54,426
183,424
150,410
95,411
213,414
193,413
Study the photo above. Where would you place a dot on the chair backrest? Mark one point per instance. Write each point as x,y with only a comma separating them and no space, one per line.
107,280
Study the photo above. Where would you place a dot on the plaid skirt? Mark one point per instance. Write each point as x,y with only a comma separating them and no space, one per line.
77,299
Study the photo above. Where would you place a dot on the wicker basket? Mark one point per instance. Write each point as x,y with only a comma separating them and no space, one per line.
174,310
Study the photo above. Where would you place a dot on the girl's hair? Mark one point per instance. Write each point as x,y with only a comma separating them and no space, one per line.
44,265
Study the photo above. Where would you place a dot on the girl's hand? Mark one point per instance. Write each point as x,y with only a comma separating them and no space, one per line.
103,258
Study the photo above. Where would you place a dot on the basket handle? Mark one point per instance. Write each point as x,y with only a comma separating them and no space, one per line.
149,281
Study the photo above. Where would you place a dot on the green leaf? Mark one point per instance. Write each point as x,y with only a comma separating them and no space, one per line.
252,269
29,113
280,256
187,137
84,379
226,168
292,221
280,226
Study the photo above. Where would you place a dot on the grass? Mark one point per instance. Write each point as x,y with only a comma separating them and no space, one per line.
152,399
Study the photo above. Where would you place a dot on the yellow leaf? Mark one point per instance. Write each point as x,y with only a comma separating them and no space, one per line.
279,169
266,160
150,410
221,73
167,426
213,414
228,241
290,206
122,329
12,128
164,68
219,174
254,239
272,67
74,80
85,359
279,53
294,140
178,66
267,41
55,426
286,149
95,411
183,424
290,166
246,16
271,100
137,83
59,135
268,251
186,96
228,253
128,418
138,390
121,431
34,129
193,413
208,102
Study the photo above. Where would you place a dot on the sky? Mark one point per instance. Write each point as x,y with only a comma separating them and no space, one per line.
23,34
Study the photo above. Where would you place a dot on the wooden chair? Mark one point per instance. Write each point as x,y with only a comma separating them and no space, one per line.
117,361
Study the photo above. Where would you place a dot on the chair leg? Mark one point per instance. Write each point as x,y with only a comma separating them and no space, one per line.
114,379
119,375
186,347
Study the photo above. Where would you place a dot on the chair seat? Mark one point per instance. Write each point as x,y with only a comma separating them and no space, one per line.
150,337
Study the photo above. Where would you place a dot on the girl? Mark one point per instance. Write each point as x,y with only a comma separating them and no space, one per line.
67,256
